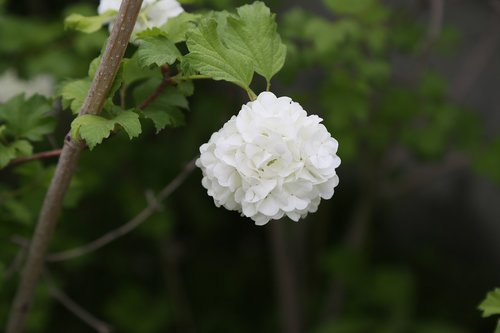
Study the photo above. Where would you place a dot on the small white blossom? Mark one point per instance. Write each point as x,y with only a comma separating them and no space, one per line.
154,13
270,160
13,85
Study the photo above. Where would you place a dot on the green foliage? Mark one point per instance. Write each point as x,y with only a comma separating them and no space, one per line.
209,56
349,7
87,24
253,33
487,159
491,304
15,149
73,94
165,110
93,129
27,118
231,48
157,50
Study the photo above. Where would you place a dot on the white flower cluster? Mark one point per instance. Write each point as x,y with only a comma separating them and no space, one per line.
13,85
270,160
154,13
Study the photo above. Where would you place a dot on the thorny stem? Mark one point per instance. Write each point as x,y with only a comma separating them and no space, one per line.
106,72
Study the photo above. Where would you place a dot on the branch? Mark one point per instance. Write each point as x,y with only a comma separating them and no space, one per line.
97,324
435,27
167,80
130,225
37,156
105,74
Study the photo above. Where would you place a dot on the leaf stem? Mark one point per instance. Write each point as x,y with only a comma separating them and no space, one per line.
251,94
51,208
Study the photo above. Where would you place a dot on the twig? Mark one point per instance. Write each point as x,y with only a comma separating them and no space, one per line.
105,75
130,225
435,27
85,316
286,280
37,156
16,264
166,81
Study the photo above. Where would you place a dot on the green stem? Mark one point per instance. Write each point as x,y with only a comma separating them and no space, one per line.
251,94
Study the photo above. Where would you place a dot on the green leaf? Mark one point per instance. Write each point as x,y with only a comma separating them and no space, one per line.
177,27
166,117
157,50
27,118
133,71
253,33
73,94
15,149
93,129
349,6
491,305
164,111
87,24
211,57
129,121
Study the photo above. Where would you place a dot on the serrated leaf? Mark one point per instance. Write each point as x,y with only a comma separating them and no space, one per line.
87,24
211,57
491,305
93,129
129,121
73,94
133,71
93,66
186,87
27,118
15,149
157,50
177,27
169,116
171,96
253,33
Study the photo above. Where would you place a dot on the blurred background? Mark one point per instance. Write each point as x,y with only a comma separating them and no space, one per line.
408,244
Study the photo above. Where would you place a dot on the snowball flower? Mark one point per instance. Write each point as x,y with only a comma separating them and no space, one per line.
154,13
270,160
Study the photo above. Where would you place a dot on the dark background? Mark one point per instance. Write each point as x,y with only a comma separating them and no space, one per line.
408,243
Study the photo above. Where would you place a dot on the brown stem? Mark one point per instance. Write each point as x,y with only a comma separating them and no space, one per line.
286,280
127,227
37,156
434,28
166,81
85,316
106,72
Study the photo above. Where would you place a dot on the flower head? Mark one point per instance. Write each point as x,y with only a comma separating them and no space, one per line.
270,160
154,13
